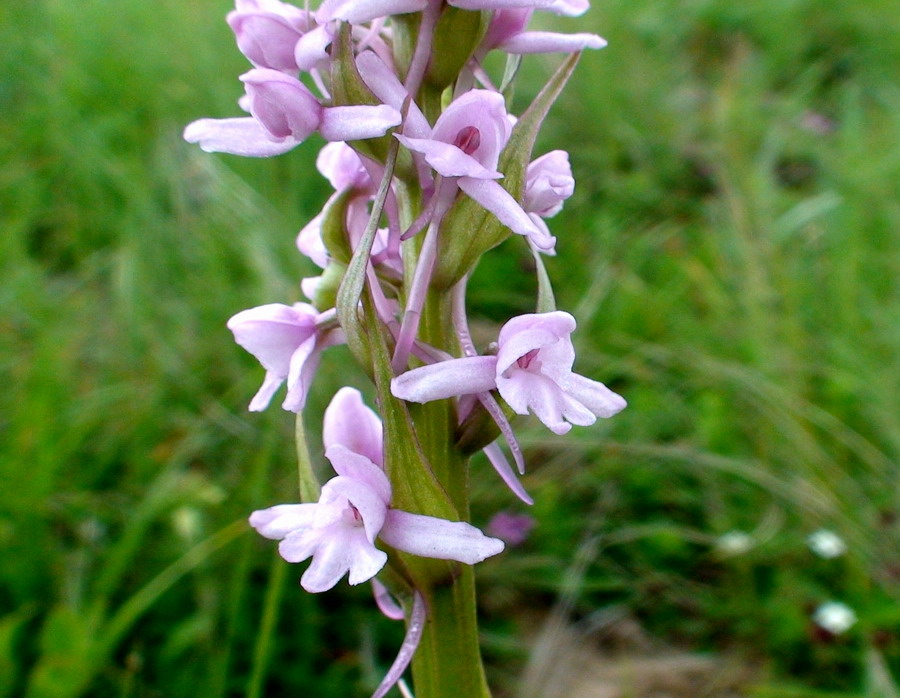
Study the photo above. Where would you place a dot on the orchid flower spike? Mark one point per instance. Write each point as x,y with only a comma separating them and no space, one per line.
338,532
287,341
532,371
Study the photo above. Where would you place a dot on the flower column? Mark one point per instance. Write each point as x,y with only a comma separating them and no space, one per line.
429,171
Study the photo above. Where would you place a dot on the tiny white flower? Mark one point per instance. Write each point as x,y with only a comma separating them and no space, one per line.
734,543
826,544
835,617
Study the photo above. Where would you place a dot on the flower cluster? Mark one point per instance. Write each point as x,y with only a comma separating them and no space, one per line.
429,171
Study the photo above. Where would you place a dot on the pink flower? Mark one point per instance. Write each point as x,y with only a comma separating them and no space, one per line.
548,184
284,114
532,371
341,166
465,144
338,532
287,341
273,34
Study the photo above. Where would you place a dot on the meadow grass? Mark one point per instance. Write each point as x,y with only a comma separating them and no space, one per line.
731,255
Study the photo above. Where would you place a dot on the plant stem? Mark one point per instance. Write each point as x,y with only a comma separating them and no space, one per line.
448,661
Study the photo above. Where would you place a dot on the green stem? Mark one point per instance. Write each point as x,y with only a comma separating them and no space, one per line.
309,483
448,661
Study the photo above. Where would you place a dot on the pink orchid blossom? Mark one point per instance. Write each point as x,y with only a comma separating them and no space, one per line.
532,371
465,144
338,532
276,35
548,183
284,113
287,341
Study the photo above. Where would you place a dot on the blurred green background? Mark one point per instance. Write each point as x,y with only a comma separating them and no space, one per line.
731,254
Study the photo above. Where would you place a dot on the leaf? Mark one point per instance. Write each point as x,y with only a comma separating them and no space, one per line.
546,301
456,35
470,230
415,487
348,89
351,289
334,231
309,483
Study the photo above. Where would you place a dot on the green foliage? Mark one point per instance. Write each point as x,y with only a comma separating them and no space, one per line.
731,255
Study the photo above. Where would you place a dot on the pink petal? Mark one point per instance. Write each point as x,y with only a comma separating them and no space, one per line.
367,501
550,42
358,467
300,544
595,396
273,332
428,536
331,561
483,110
501,465
365,560
493,407
501,203
359,11
276,522
500,4
311,48
271,384
524,333
447,159
471,374
350,423
309,241
238,136
386,603
546,399
545,232
386,86
357,122
414,630
304,362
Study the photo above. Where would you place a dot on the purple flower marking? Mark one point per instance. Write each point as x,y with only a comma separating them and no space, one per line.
338,532
532,371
